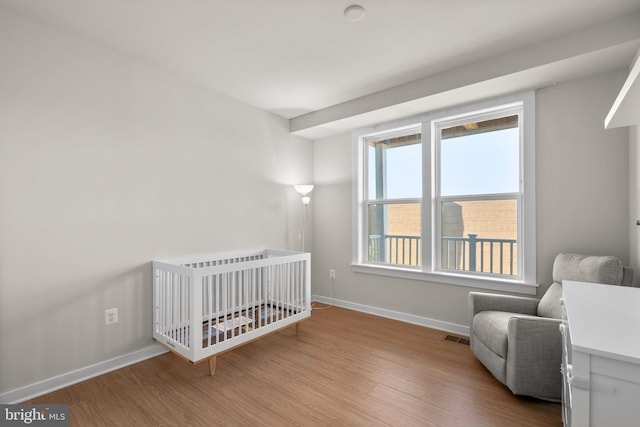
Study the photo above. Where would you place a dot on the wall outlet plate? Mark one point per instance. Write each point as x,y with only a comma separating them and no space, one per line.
111,316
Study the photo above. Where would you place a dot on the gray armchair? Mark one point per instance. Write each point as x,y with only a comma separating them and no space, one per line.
518,338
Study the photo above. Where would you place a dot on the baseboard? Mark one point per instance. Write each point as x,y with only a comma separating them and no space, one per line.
396,315
64,380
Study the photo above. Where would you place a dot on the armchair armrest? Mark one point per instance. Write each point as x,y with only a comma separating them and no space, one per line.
534,357
480,301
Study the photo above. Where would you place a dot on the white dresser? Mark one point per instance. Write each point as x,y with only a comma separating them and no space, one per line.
601,355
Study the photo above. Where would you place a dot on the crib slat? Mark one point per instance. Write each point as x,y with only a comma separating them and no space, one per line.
233,302
209,306
174,309
253,294
179,308
296,284
184,314
167,301
285,290
290,284
225,307
245,292
274,287
277,299
266,290
300,285
188,311
296,288
178,289
217,287
263,291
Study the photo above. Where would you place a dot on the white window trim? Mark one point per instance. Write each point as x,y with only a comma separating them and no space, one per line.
526,284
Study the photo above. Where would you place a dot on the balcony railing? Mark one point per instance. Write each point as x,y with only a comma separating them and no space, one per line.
395,249
472,253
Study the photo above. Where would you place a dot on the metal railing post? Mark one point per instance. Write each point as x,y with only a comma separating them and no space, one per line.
472,252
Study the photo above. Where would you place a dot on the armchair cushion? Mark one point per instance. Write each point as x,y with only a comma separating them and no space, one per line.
549,305
479,301
586,268
492,328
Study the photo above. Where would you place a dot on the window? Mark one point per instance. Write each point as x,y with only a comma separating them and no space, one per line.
394,186
449,197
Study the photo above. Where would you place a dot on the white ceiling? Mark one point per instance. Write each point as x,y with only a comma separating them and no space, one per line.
294,57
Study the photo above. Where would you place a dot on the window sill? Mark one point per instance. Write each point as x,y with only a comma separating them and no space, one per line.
488,283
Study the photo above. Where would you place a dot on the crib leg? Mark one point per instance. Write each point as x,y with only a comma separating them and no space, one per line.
212,365
297,329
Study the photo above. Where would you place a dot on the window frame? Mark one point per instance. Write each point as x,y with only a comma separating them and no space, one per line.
428,123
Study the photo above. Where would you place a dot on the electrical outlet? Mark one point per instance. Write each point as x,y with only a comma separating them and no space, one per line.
111,316
332,274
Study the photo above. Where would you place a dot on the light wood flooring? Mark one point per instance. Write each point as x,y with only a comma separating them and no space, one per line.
345,368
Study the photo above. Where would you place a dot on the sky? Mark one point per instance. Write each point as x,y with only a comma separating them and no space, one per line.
477,164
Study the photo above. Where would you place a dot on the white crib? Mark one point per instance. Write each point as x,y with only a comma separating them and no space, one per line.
205,305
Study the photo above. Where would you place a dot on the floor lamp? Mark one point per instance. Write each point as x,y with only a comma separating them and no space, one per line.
304,189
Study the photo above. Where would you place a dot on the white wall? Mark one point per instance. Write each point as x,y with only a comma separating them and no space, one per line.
582,172
634,200
582,202
107,163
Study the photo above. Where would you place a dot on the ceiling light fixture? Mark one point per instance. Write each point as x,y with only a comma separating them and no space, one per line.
354,13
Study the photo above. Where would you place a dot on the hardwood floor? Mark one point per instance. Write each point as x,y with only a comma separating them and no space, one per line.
344,368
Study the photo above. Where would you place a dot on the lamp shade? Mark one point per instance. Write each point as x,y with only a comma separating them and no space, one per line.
303,189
